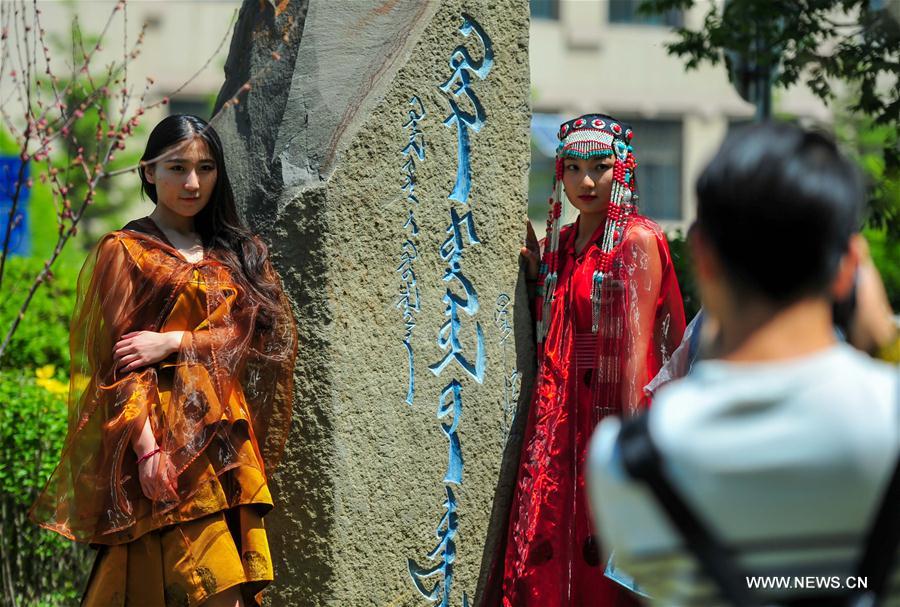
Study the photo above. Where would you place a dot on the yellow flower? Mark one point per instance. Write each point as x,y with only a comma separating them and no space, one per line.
46,380
45,372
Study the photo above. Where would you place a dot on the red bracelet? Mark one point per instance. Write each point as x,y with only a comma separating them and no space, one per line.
149,454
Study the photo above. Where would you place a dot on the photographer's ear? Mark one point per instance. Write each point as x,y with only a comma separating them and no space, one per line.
844,278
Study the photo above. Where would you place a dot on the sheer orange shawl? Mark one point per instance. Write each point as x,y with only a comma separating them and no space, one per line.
222,402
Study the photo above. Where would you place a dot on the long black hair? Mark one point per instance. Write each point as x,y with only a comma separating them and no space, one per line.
220,227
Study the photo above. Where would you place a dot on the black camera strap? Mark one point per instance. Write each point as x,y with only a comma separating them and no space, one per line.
643,461
881,547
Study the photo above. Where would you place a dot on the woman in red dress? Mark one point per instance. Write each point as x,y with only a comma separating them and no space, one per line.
609,314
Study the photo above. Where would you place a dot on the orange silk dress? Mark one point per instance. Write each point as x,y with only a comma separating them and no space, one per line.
219,408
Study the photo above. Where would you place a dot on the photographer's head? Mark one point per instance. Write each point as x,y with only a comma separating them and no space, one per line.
778,210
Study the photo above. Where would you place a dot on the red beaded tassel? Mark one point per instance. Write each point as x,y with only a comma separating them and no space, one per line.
618,212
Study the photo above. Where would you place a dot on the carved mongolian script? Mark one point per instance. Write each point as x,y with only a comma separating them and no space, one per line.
460,303
408,303
459,86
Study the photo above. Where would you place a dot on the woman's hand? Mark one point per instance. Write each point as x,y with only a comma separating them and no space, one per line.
141,348
157,477
531,252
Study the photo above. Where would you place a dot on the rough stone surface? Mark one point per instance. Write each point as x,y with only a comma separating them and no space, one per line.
315,154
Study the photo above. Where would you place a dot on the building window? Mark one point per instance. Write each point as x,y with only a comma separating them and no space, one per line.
544,9
626,11
657,147
195,106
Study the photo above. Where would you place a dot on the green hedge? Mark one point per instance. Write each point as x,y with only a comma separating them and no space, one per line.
43,568
884,249
684,270
43,335
886,256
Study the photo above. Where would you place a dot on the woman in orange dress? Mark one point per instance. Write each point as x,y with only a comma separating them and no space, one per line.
183,348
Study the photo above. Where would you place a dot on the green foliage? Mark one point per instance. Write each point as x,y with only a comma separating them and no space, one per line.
44,227
43,335
43,568
8,146
869,143
810,40
816,42
684,270
885,253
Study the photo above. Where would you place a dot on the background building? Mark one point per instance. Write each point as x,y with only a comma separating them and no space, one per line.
181,36
586,56
183,53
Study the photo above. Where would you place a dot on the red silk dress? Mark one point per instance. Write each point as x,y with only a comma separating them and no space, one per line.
552,558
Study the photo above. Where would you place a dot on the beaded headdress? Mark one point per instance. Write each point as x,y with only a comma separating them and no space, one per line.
589,136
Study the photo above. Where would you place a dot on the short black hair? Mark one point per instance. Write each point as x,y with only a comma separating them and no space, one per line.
779,204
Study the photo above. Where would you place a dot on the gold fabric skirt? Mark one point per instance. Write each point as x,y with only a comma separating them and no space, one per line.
185,564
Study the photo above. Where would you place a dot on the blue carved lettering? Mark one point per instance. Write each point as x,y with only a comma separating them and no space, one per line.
446,549
411,224
448,336
454,410
408,300
448,339
452,247
457,86
460,233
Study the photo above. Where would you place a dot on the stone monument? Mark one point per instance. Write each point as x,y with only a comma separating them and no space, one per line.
382,151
